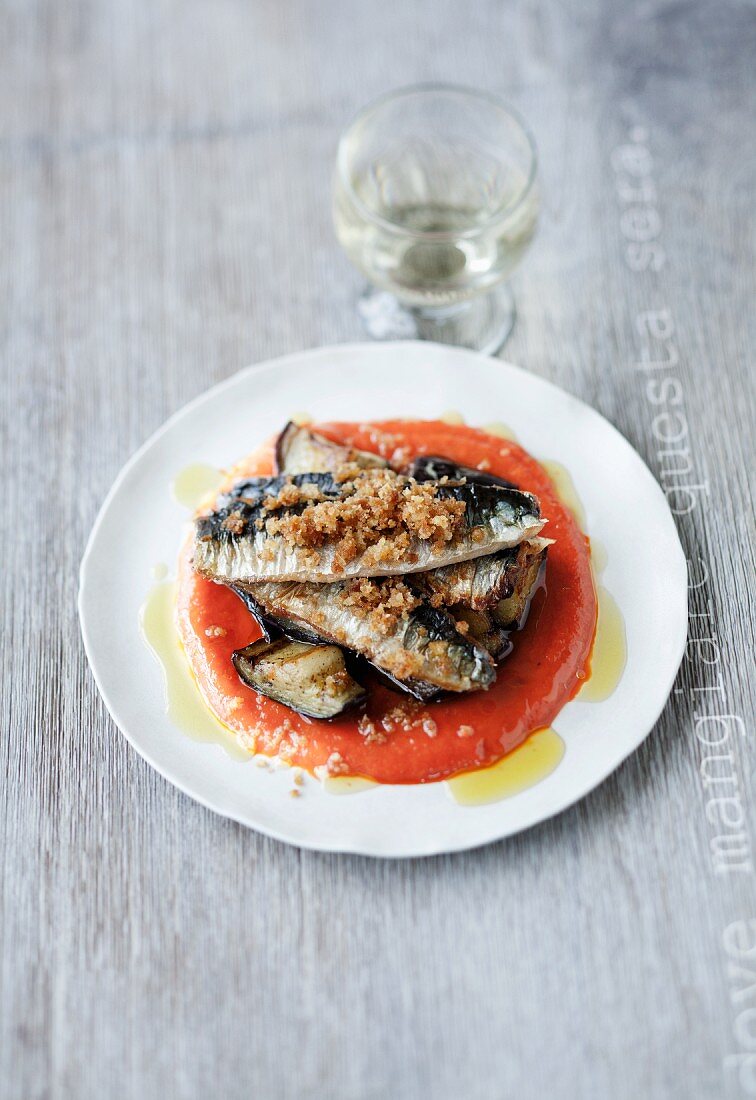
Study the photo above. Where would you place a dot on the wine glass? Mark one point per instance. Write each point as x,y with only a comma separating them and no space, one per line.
435,201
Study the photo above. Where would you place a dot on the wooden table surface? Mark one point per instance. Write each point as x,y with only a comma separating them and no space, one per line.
164,221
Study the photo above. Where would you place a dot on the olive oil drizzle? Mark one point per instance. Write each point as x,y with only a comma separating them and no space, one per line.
185,706
609,654
566,491
530,763
502,431
192,484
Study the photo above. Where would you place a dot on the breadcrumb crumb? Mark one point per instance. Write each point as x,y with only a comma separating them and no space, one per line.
334,765
368,729
429,727
234,523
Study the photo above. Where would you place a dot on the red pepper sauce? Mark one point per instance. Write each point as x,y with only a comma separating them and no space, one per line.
549,662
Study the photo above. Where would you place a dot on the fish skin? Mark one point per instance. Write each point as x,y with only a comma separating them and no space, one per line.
490,591
254,490
229,546
425,646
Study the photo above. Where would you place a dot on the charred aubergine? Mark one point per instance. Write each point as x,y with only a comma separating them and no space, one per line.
300,451
311,679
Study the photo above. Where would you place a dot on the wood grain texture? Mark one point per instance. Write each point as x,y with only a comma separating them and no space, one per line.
164,220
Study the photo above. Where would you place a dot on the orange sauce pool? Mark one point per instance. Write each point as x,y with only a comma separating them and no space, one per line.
549,662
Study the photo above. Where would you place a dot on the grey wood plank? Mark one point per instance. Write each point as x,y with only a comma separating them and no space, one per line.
164,173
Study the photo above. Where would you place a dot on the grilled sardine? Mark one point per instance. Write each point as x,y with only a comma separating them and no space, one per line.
424,645
244,540
483,583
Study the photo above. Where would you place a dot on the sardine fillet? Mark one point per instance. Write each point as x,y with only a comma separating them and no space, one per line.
425,646
482,583
256,556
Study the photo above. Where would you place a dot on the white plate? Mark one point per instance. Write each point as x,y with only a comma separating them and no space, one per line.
140,525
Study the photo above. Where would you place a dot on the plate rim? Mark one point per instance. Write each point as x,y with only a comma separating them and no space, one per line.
562,803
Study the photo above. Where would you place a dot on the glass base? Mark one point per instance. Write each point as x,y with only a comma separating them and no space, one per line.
482,324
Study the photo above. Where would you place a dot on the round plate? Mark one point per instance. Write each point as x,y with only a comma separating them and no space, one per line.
140,525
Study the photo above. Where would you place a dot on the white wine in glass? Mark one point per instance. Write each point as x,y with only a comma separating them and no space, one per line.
435,201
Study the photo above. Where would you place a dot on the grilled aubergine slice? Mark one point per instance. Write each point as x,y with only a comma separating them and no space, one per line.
301,451
510,611
483,629
310,679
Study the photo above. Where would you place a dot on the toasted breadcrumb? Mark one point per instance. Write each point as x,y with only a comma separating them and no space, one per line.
379,513
408,715
429,727
234,523
370,731
381,602
267,553
334,765
347,471
292,495
335,682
